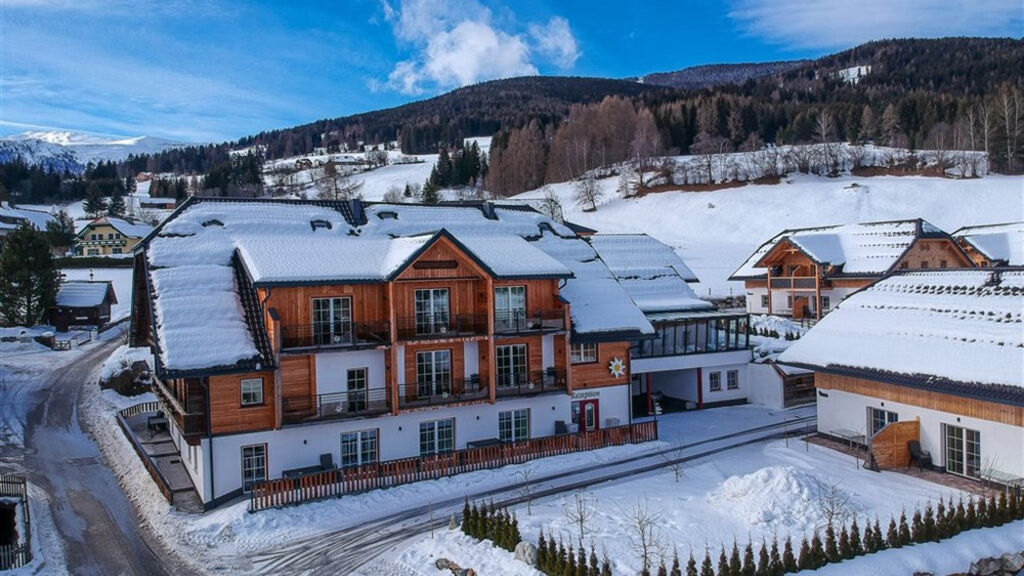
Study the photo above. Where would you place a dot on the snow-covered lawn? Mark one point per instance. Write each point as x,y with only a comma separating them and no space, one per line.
754,493
122,279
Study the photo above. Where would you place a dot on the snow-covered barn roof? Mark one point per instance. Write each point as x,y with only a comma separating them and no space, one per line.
1002,243
37,218
959,331
85,293
865,249
210,252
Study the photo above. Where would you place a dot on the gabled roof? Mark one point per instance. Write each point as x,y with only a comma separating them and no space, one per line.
866,249
85,293
1000,243
960,328
129,229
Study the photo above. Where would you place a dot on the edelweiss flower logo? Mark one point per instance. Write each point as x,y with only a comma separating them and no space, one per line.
617,367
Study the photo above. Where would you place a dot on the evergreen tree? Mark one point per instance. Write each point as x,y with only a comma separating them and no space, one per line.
570,566
706,569
116,207
928,527
762,560
514,537
868,543
61,230
595,566
691,566
94,204
971,516
542,551
880,542
941,521
735,564
29,277
831,549
473,522
606,567
561,561
723,563
789,563
843,547
775,566
748,569
581,562
856,546
804,560
662,569
993,512
818,557
917,533
675,571
892,537
903,532
430,193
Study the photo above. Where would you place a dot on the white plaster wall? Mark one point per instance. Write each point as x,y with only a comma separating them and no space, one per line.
1000,443
332,369
725,395
687,361
681,384
195,460
764,386
613,403
754,300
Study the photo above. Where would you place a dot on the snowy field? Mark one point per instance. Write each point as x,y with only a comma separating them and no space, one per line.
122,279
715,232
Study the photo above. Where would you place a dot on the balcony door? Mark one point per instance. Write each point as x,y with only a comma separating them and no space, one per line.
332,321
511,363
434,373
432,314
509,307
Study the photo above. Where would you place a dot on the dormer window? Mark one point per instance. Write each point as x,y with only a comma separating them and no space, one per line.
388,215
314,224
213,222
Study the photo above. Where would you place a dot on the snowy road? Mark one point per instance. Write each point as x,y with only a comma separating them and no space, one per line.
346,551
97,524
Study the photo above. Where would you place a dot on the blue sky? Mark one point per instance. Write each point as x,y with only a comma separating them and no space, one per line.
210,70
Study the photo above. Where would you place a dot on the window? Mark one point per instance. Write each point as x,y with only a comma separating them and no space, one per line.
789,301
764,301
511,361
332,321
93,251
963,451
583,353
432,311
879,419
732,379
904,265
826,302
509,307
252,392
254,465
434,372
110,236
943,264
118,251
92,237
514,425
924,264
437,437
358,448
715,381
356,380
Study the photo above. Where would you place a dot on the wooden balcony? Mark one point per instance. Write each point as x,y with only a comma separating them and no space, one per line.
189,423
516,323
794,282
529,384
441,392
336,406
344,334
441,326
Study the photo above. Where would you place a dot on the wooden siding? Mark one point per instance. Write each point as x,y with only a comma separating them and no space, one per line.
226,412
298,386
534,351
465,296
541,295
1003,413
458,350
930,253
294,304
787,255
596,374
889,445
442,251
979,259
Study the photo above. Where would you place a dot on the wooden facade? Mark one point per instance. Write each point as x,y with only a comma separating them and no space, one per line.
597,374
928,253
890,447
974,408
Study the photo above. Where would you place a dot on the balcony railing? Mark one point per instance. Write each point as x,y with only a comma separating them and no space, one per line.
794,282
336,406
431,326
519,322
189,423
439,392
343,334
526,384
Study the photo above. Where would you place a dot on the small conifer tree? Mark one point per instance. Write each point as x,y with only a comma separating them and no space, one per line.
818,558
723,563
676,569
542,551
595,565
982,519
691,566
570,566
843,546
928,524
879,537
749,569
662,569
831,547
892,537
789,563
774,560
903,531
581,562
856,546
762,560
804,561
735,564
706,569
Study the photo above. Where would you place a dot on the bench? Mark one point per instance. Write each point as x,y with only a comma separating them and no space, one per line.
1004,478
156,423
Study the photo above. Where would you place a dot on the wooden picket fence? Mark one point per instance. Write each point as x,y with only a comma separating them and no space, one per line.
338,482
20,555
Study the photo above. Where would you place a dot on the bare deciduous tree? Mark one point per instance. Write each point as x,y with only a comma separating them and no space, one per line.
580,511
588,192
337,185
526,487
644,534
673,458
833,502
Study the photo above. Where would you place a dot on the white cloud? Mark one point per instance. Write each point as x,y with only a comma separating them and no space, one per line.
556,42
458,42
843,23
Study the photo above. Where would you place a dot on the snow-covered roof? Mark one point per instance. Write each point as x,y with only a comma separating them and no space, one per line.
37,218
864,249
651,273
84,293
129,229
929,328
998,242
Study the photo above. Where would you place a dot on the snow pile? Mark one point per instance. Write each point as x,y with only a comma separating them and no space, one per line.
467,552
122,359
774,497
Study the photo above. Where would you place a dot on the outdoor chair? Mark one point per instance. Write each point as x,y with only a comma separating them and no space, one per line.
327,461
923,457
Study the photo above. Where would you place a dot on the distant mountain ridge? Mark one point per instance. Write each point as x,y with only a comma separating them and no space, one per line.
64,150
711,75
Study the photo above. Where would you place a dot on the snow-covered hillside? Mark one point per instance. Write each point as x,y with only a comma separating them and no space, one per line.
73,150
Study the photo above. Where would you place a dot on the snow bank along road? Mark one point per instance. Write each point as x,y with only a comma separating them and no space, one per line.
345,551
97,524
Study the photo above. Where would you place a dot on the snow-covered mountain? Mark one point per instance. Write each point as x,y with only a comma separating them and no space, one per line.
66,150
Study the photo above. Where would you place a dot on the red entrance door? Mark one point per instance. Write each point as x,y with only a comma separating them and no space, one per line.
588,416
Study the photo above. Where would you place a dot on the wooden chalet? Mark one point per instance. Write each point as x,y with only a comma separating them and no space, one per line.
993,245
934,357
109,236
83,303
804,273
295,335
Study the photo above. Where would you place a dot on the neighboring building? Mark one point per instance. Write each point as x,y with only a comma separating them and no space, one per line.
11,218
806,272
285,330
993,244
934,356
109,236
83,303
148,203
697,357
